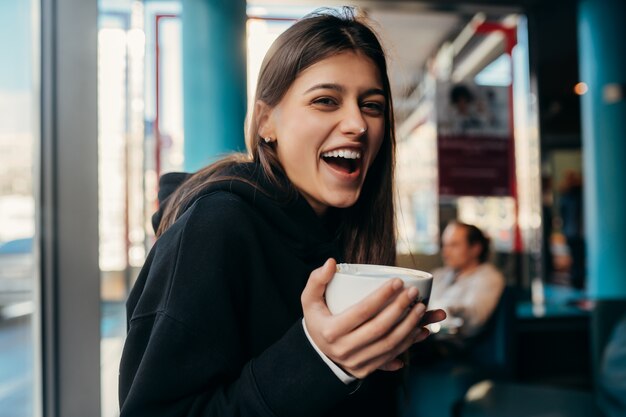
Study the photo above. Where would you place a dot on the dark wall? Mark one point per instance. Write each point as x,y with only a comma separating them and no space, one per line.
554,57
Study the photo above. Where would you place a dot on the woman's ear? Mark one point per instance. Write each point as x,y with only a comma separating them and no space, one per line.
264,120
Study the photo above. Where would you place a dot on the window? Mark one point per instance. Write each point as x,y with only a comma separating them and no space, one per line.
18,162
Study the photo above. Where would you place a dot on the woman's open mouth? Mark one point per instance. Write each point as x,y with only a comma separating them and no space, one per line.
346,161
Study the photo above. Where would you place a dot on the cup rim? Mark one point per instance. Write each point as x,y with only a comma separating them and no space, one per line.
350,269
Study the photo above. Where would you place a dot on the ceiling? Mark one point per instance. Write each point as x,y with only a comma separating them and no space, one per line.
410,39
411,32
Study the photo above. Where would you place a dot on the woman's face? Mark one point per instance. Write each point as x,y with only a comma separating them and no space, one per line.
328,128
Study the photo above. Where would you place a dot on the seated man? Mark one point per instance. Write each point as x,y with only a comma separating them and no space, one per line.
468,287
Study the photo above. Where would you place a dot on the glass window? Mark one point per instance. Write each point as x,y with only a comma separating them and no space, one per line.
121,46
139,66
19,100
474,111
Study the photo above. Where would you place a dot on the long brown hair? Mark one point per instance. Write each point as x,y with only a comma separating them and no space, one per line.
367,229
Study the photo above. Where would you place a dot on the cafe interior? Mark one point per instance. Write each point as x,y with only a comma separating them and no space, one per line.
101,98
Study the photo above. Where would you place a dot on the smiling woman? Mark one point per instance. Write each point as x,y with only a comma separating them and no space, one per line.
228,315
328,134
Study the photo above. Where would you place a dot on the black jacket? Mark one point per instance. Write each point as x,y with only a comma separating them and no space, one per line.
214,319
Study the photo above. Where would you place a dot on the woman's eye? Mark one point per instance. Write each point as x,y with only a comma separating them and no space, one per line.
325,101
373,107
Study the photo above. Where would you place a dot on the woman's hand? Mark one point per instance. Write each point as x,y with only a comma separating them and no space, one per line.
371,334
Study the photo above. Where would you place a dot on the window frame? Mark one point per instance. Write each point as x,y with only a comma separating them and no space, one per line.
67,199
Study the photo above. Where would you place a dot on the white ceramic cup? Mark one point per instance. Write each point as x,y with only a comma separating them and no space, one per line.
353,282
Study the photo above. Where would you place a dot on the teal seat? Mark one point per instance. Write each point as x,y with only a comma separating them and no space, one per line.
509,399
438,389
502,398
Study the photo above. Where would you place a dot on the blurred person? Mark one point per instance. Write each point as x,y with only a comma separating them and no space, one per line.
546,227
571,212
228,317
466,114
467,287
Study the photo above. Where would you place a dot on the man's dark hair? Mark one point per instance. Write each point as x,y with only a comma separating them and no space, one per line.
460,91
476,236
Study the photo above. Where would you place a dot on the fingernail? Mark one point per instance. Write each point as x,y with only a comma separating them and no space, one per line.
397,284
420,308
416,335
412,293
422,334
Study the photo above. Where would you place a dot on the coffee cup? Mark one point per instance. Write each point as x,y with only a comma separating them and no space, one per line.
353,282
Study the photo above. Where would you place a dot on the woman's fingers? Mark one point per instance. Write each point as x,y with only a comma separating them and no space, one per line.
367,308
393,365
349,343
377,353
313,294
397,363
385,320
433,316
370,334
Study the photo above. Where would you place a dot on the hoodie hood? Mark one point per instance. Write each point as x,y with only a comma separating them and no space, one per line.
168,183
285,209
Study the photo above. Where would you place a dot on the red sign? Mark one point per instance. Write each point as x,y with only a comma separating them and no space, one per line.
473,165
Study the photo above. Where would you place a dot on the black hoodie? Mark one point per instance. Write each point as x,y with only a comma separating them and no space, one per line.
215,321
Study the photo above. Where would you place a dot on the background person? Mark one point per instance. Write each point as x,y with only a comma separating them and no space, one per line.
465,115
228,317
468,287
571,212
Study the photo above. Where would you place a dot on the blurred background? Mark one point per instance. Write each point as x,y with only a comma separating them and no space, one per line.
99,99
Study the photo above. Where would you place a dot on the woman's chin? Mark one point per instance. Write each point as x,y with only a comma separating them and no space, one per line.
343,202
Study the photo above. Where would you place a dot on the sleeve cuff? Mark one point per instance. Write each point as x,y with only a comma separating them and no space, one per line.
343,376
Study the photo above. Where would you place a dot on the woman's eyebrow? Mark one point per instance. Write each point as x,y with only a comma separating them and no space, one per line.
326,86
373,92
341,89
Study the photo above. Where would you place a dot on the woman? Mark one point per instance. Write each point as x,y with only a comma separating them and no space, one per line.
228,315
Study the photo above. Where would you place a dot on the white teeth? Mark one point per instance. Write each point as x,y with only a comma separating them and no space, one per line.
343,153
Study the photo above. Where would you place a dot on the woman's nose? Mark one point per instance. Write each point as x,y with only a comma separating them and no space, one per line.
353,122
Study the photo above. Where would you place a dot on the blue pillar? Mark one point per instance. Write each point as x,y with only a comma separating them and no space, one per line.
602,43
214,79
